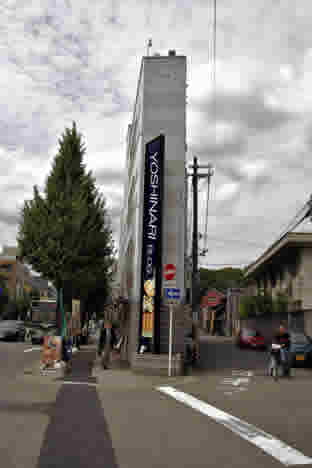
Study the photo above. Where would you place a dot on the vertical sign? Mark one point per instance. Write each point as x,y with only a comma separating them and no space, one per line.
151,248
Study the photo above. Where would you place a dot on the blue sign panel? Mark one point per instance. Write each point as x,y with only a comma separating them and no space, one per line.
151,248
172,293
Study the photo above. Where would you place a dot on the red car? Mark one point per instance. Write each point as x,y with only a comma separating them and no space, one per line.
248,338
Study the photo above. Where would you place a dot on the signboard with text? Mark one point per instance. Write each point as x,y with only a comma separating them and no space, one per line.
151,248
173,295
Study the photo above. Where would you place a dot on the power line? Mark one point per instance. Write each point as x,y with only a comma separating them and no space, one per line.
303,213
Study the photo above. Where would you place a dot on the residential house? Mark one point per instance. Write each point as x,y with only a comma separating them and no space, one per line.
18,277
286,266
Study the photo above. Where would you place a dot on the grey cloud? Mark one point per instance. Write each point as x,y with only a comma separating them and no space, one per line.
109,176
34,137
221,151
16,187
250,111
9,218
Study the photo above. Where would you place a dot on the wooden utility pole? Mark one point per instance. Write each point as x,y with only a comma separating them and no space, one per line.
195,274
195,240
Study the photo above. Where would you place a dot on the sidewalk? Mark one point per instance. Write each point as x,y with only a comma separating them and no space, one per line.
77,435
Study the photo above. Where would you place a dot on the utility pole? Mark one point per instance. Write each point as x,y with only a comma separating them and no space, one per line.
195,240
195,274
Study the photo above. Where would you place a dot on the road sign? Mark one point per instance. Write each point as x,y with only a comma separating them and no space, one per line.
173,293
170,271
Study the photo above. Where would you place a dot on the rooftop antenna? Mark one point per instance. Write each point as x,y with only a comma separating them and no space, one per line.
149,45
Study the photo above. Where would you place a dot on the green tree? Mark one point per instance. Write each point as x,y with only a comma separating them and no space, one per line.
255,306
221,279
65,234
281,303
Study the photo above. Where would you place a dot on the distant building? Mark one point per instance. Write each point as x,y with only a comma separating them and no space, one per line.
286,267
17,275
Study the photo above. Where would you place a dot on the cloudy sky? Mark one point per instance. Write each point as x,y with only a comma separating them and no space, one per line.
63,60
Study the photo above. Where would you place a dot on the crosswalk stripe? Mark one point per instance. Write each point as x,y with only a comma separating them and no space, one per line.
269,444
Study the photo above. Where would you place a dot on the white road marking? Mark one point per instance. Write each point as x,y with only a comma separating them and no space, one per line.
80,383
31,349
242,373
269,444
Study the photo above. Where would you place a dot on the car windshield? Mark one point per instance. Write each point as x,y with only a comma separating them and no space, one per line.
299,338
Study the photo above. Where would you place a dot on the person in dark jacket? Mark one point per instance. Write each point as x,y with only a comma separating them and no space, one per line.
107,340
282,337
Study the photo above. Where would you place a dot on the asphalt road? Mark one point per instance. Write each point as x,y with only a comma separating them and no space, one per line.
150,427
220,354
125,421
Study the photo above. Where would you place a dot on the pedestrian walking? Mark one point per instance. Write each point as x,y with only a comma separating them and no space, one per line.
106,343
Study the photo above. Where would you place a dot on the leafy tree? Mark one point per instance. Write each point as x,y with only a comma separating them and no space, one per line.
65,234
281,303
221,279
263,304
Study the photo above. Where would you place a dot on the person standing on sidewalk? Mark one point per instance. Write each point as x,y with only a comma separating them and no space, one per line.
106,342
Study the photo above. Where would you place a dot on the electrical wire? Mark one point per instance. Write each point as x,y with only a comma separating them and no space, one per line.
303,213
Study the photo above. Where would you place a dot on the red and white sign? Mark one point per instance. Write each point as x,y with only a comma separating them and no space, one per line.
170,272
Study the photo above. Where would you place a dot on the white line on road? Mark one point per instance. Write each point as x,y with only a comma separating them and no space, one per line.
269,444
31,349
80,383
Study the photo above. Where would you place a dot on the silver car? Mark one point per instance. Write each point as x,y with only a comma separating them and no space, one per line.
12,330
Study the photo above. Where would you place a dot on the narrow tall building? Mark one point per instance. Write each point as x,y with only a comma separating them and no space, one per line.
155,205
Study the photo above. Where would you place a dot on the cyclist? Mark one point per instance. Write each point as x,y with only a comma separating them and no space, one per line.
282,337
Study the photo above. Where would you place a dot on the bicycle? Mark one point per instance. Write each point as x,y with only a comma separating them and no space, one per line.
277,367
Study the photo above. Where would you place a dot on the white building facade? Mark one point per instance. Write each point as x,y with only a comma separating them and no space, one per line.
160,109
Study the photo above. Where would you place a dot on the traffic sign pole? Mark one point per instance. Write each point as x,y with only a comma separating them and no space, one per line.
170,339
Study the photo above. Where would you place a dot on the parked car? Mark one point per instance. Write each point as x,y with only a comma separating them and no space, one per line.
249,338
12,330
301,349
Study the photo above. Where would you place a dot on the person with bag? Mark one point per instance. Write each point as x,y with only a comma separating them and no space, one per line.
107,341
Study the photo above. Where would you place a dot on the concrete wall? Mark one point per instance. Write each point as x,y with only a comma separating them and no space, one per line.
165,112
